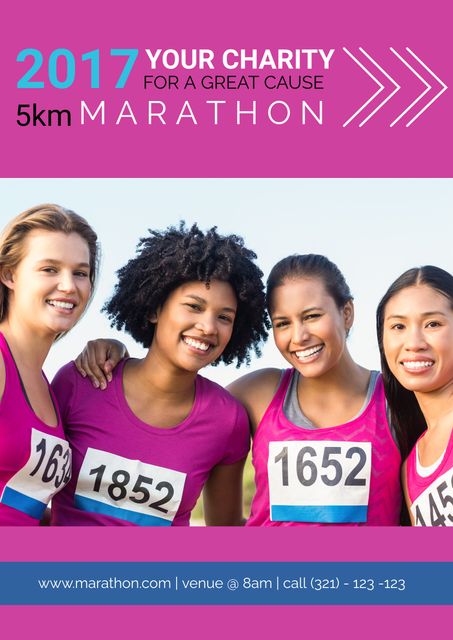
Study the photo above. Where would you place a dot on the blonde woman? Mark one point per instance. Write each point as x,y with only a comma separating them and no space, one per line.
48,260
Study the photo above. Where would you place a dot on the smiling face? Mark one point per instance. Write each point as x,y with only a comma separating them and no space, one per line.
195,324
309,329
418,338
50,287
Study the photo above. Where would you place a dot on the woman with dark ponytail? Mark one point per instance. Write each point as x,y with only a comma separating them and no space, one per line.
323,450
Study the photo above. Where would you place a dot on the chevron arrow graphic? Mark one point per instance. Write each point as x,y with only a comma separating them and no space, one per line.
381,87
428,87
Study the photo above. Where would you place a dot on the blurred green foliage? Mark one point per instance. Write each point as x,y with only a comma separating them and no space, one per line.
248,493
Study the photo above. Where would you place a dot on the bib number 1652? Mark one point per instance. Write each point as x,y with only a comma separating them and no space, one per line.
319,481
326,466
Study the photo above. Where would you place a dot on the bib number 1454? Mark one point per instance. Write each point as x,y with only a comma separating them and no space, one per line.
434,507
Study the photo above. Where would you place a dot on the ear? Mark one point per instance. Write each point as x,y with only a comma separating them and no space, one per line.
7,278
348,315
154,317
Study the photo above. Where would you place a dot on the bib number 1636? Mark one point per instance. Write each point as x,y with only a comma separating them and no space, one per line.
46,471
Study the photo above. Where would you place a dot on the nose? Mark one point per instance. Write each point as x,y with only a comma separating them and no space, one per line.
300,333
66,283
207,324
415,339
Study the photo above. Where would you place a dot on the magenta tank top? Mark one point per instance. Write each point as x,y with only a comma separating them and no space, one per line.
348,474
431,496
35,459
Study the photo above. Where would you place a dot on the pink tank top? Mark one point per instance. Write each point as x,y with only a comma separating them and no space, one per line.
431,496
35,459
348,474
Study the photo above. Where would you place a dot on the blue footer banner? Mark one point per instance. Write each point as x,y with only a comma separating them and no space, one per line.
226,583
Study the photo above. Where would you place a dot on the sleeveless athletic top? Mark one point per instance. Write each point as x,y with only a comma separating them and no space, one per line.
431,496
347,474
35,459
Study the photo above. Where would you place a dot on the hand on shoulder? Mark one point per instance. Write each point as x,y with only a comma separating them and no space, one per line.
98,359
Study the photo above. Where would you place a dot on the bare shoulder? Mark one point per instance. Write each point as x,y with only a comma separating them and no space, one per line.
255,391
2,376
260,380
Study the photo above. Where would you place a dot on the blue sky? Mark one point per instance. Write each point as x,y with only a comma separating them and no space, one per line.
374,229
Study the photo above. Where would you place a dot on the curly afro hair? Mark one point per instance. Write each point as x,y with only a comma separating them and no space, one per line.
167,259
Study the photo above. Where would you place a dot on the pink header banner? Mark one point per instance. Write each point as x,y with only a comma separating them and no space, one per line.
332,89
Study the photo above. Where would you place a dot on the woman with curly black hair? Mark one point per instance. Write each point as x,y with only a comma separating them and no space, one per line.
145,448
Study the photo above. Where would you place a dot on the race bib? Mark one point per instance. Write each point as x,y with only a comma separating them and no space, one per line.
131,490
434,507
319,481
47,470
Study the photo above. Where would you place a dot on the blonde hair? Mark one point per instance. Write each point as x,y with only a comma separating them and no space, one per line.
48,217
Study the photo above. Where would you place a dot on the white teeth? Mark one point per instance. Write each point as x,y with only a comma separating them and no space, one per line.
416,365
197,344
60,304
306,353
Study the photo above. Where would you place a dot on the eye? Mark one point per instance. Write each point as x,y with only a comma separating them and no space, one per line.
433,324
193,305
398,326
81,274
312,316
49,270
227,319
280,324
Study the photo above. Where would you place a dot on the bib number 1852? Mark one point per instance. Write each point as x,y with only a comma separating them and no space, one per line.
128,489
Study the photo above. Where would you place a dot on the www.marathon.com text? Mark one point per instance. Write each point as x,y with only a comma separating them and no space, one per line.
107,583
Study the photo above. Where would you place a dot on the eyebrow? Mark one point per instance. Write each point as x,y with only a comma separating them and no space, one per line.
58,262
203,301
423,315
308,310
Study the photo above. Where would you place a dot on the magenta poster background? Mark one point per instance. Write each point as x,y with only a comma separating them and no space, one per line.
374,149
368,39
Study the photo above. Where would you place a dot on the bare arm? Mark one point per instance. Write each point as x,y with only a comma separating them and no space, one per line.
45,520
2,376
406,493
98,359
222,496
255,392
